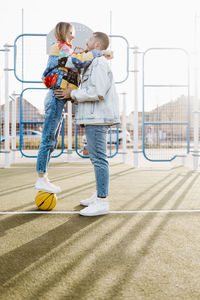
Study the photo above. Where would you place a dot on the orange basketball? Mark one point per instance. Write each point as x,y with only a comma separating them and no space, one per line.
45,201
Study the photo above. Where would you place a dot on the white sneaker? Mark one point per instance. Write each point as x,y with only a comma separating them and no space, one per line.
97,208
90,200
43,184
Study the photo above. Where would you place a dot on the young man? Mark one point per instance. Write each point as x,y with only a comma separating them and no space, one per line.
98,108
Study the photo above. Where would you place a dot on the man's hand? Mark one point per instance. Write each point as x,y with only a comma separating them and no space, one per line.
63,94
108,54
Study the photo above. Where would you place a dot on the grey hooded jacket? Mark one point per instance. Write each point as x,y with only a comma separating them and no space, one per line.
97,98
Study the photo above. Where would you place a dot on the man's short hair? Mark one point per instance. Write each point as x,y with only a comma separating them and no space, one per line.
103,39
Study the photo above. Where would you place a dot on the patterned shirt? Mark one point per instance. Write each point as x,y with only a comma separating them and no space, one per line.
65,66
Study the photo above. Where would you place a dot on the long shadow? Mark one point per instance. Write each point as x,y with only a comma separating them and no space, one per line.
9,172
30,204
80,288
152,196
54,179
90,184
68,191
7,191
144,250
18,259
27,186
15,221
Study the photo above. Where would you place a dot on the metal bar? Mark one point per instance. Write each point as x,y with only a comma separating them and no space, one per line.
135,115
13,127
189,106
6,110
117,143
30,122
86,156
166,48
127,57
22,49
15,56
124,137
143,131
166,85
110,138
44,35
196,101
69,131
165,123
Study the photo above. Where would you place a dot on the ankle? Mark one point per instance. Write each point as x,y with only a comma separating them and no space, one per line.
42,175
102,198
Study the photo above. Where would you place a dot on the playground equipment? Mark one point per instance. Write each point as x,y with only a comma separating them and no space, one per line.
151,129
158,123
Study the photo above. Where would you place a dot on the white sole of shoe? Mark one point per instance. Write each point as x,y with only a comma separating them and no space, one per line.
86,205
94,215
47,191
83,204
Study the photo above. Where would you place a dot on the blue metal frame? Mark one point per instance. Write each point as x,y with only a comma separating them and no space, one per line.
15,56
28,122
27,81
44,35
127,57
0,132
166,123
1,151
86,156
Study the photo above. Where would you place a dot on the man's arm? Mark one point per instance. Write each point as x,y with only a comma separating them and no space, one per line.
79,60
82,60
100,84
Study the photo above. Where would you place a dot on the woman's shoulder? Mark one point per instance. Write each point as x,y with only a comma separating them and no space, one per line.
54,50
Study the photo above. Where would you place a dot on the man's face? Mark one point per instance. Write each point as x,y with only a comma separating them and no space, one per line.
91,43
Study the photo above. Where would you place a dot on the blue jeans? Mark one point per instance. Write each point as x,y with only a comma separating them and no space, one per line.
96,140
53,119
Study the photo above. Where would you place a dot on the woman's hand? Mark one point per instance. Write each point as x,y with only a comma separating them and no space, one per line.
108,54
63,94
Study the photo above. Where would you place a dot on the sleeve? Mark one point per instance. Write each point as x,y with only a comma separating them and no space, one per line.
52,62
82,60
96,91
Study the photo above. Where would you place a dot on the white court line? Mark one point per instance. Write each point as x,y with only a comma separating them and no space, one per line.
111,212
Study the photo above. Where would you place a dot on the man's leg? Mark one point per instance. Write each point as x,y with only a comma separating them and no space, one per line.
53,119
96,139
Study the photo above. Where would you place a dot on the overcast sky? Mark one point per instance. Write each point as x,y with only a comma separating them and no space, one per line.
145,23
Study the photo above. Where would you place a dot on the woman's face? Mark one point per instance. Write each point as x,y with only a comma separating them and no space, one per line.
70,35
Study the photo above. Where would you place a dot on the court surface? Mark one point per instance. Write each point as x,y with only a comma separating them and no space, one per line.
146,248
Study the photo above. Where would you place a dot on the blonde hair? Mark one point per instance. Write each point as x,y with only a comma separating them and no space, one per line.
61,30
103,39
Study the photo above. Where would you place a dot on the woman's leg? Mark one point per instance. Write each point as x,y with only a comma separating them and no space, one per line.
53,119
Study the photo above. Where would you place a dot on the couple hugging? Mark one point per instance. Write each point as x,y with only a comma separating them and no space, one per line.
87,80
